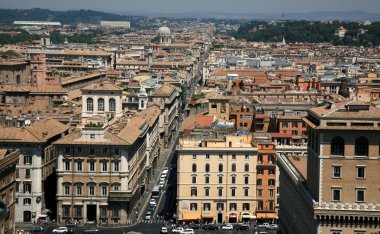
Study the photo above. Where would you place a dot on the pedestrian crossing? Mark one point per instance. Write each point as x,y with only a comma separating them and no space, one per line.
153,221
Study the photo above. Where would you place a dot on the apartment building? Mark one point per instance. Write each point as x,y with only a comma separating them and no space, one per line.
336,190
216,179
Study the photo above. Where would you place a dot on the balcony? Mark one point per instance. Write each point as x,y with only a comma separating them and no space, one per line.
120,196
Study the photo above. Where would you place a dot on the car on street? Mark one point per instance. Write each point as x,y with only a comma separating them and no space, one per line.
227,227
152,202
148,215
264,225
164,230
61,230
71,223
178,230
151,208
273,226
210,227
162,183
195,226
188,231
37,229
242,227
91,231
166,170
163,177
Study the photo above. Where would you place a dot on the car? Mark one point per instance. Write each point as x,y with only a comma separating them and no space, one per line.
71,223
61,230
195,226
165,169
163,177
273,226
164,230
91,231
242,227
162,183
151,208
152,202
210,227
148,215
37,229
264,225
227,227
188,231
178,230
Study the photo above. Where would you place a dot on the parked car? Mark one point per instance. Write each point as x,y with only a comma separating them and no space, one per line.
61,230
71,223
91,231
166,170
152,202
273,226
264,225
178,230
162,183
151,208
242,227
210,227
227,227
195,226
164,230
37,229
163,177
148,215
188,231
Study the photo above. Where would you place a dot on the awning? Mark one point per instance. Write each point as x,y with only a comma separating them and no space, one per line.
246,216
266,215
190,216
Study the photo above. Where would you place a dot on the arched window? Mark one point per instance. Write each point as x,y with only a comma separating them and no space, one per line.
220,167
100,104
90,104
142,104
233,167
194,167
361,146
112,104
337,146
207,167
246,167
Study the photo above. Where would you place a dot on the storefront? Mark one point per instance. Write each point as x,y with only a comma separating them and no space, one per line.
246,216
232,218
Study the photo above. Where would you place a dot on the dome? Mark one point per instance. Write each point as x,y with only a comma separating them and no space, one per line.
164,31
142,90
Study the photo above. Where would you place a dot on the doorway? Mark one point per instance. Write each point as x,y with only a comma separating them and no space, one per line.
27,216
220,218
91,213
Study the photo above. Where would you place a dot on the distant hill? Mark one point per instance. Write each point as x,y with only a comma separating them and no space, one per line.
8,16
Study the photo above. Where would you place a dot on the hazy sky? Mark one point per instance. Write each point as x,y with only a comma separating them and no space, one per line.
177,6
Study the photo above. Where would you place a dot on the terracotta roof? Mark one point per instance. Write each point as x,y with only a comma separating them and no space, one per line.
39,89
204,120
104,86
223,72
340,111
165,90
281,135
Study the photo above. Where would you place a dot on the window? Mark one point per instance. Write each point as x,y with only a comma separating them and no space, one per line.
233,192
232,206
67,190
17,186
260,205
220,192
259,182
105,150
246,179
220,179
117,151
79,190
100,104
336,194
207,167
207,156
79,149
260,171
66,211
79,165
92,151
206,206
246,157
220,156
193,192
360,172
17,173
271,182
220,167
246,192
194,179
27,173
27,187
27,201
78,211
103,212
18,79
207,179
116,187
285,124
245,206
336,171
207,192
220,206
361,146
233,156
360,195
336,232
194,156
91,191
104,190
91,166
233,179
259,192
67,166
90,104
27,160
112,104
260,158
271,192
193,206
246,167
92,137
115,213
104,166
116,166
194,167
233,167
67,150
271,171
337,146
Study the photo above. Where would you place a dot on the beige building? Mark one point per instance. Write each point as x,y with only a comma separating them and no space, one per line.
216,179
338,189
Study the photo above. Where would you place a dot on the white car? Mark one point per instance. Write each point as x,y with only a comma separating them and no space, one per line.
264,225
148,215
152,202
164,230
178,230
166,170
61,230
162,183
273,226
227,227
163,177
188,231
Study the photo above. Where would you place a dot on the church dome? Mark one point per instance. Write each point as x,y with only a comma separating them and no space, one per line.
142,90
165,31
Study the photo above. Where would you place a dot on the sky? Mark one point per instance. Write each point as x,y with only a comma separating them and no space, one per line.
178,6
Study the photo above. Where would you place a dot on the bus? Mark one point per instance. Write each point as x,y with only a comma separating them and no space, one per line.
156,192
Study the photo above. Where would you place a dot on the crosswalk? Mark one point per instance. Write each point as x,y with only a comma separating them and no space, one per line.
153,221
